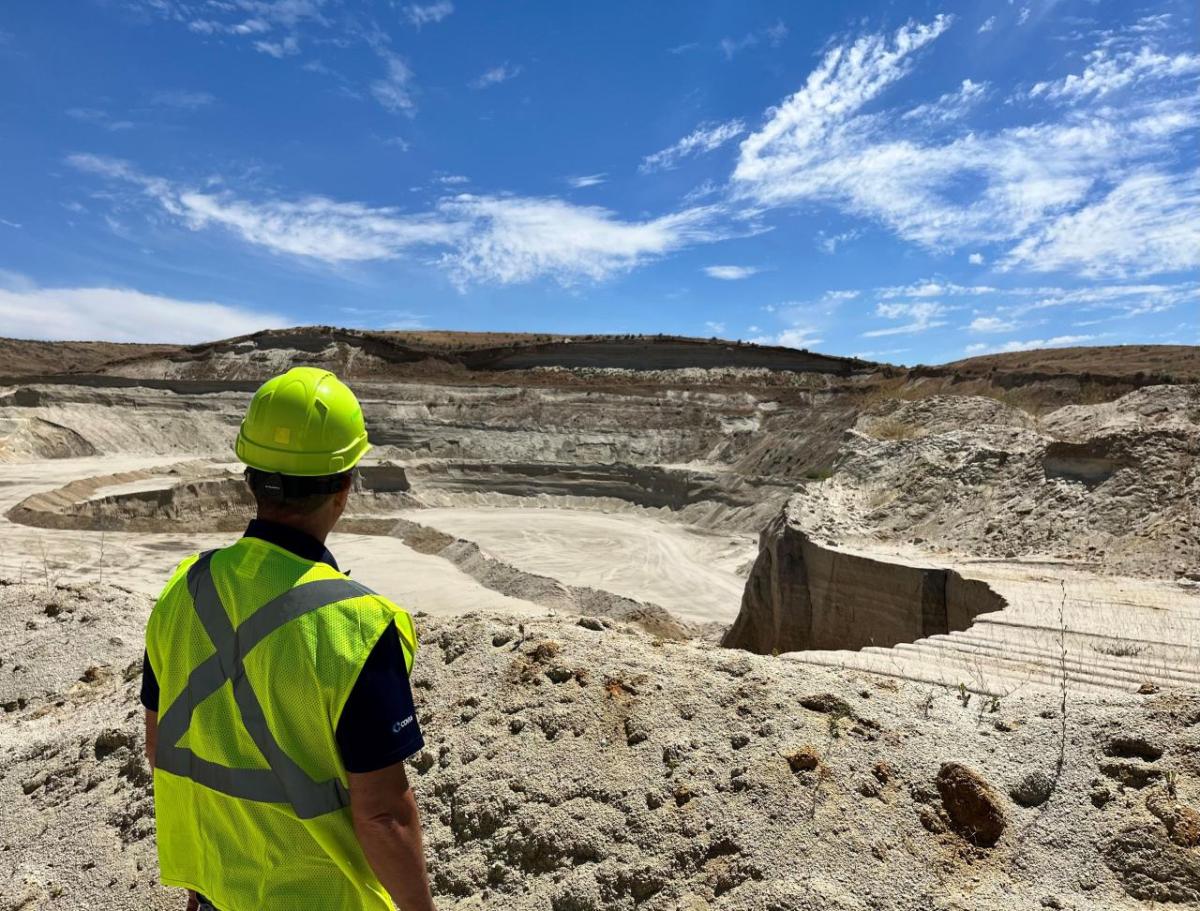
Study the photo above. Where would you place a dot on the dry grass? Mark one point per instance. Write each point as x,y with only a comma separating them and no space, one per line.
889,428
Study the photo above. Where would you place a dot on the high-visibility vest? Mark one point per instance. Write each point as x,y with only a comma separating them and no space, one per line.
256,651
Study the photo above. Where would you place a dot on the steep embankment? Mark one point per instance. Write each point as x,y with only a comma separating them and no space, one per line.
582,765
802,595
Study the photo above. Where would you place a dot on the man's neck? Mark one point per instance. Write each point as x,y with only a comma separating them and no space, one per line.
315,527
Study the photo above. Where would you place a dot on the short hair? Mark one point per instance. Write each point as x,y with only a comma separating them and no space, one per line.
294,494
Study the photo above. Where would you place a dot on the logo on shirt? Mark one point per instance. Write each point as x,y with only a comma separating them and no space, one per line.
402,724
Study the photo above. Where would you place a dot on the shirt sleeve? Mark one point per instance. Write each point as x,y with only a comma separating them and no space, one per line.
149,695
378,727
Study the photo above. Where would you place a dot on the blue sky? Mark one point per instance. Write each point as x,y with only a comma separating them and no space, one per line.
907,181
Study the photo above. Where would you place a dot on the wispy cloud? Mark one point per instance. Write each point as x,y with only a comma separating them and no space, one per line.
829,243
289,46
975,259
1108,73
495,76
731,273
705,138
420,15
1011,185
583,181
393,91
1149,223
494,239
951,106
772,35
921,315
100,118
179,98
1058,341
513,239
120,315
988,24
991,324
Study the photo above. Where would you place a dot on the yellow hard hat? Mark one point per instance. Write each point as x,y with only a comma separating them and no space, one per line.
305,422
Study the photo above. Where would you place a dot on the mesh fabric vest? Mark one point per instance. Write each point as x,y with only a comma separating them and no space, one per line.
256,651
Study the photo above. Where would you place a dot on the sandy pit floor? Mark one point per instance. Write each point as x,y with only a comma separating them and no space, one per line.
690,572
141,562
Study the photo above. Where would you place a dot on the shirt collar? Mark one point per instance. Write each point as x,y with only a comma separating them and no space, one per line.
300,543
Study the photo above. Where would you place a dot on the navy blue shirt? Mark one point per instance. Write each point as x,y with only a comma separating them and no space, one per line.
378,726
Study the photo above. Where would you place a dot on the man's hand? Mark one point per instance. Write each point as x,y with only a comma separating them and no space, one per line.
384,810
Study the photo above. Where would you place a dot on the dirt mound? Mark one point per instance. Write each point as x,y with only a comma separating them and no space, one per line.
573,764
25,357
1153,363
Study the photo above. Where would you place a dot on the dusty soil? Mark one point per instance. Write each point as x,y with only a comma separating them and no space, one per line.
579,764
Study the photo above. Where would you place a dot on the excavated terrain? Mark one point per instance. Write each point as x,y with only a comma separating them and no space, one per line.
704,625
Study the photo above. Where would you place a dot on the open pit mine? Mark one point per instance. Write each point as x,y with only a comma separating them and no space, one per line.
704,625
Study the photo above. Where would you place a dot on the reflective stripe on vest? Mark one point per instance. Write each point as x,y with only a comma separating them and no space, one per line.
284,781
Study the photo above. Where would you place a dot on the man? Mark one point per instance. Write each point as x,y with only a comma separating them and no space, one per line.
277,696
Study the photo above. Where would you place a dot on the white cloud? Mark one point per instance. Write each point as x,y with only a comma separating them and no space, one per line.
514,239
829,143
1149,223
705,138
495,76
933,289
1107,73
772,35
717,329
731,273
420,15
1058,341
1024,15
10,224
828,243
392,91
922,316
975,259
182,99
100,118
991,324
501,239
453,180
122,315
804,337
288,47
988,24
583,181
951,106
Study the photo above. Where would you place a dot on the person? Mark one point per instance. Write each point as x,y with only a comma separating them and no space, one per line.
278,706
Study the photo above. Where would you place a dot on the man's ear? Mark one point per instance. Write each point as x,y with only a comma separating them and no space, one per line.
343,495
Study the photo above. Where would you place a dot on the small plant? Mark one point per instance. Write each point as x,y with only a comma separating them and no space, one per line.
994,705
834,730
1172,782
927,704
964,695
1120,649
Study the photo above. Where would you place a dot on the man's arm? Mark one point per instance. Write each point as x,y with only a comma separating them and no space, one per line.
384,811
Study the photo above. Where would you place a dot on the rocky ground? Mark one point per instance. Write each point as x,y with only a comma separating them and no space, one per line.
576,763
1114,485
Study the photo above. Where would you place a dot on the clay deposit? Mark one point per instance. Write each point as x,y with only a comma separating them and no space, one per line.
705,626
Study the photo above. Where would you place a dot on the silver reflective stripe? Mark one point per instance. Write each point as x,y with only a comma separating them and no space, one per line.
284,781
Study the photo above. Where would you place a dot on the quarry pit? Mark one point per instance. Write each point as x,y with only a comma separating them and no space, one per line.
887,575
